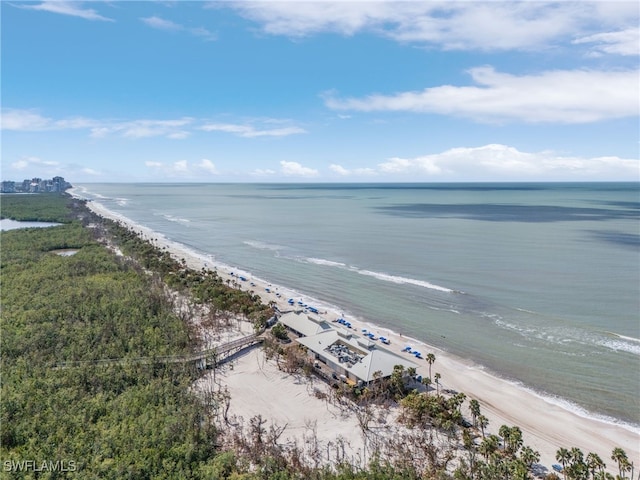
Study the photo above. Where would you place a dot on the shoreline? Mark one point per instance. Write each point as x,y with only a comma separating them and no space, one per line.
546,424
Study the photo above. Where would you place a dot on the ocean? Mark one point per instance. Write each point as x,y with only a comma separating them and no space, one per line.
537,283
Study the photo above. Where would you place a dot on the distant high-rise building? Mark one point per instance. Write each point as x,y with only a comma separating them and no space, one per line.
8,186
35,185
58,184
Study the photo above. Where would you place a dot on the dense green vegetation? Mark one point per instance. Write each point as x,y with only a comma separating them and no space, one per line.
44,207
204,286
116,421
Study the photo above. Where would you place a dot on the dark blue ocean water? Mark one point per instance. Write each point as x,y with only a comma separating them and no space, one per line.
539,283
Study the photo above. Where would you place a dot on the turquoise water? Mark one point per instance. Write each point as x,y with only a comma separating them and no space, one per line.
539,283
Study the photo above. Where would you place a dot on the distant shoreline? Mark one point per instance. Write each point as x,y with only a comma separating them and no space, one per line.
546,425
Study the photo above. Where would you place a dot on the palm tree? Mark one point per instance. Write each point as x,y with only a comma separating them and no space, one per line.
426,381
529,456
626,467
512,438
488,446
397,379
515,439
577,469
437,379
505,432
518,469
576,455
474,408
483,422
430,358
563,456
620,456
594,463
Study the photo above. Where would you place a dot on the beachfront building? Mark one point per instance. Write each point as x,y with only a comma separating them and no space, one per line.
303,324
353,358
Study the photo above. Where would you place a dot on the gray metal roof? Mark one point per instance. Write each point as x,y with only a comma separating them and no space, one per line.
304,324
372,358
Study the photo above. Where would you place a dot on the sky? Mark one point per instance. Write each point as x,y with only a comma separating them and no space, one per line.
378,91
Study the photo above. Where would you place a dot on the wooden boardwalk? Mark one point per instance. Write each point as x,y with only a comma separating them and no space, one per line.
208,358
220,354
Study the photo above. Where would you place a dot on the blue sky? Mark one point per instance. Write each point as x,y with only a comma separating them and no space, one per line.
115,91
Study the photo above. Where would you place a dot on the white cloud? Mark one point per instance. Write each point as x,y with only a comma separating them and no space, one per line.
505,163
260,172
181,166
135,129
35,163
31,161
74,123
294,169
227,127
344,172
207,166
32,121
250,131
339,169
73,9
448,25
170,26
488,25
154,128
176,129
26,120
162,24
180,135
569,96
304,18
622,42
202,33
183,169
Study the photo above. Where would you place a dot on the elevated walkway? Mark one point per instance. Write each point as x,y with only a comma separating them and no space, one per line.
209,358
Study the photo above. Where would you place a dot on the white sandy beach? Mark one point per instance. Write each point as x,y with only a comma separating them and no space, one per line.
257,387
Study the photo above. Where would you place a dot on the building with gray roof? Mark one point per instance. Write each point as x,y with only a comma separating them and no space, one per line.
357,359
304,324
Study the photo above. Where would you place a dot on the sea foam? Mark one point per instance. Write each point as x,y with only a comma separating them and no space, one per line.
379,275
263,245
328,263
402,280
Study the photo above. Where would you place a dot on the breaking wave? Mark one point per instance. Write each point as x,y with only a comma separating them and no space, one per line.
401,280
563,336
263,245
328,263
380,276
171,218
621,343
